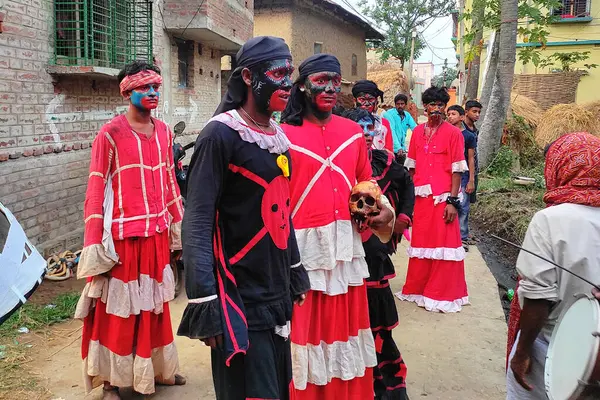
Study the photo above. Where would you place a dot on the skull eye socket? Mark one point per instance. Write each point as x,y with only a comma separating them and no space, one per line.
355,197
370,201
274,207
287,202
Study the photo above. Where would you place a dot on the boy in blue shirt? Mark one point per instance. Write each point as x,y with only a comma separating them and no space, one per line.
465,120
400,121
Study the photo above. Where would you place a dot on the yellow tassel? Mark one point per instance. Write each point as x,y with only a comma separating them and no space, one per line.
282,162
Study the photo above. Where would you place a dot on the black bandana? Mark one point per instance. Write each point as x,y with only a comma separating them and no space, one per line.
253,53
366,86
294,112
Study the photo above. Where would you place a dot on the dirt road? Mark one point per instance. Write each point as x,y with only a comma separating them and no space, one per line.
449,357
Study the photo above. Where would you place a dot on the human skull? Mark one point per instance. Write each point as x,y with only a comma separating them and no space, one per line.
363,200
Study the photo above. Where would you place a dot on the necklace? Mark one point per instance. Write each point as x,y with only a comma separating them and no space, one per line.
429,132
281,161
260,126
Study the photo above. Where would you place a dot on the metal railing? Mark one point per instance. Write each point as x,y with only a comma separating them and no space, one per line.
573,9
102,33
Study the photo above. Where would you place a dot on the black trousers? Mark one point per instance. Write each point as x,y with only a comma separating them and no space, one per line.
265,372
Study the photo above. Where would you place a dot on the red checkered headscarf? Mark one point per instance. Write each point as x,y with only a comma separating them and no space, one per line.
573,170
142,78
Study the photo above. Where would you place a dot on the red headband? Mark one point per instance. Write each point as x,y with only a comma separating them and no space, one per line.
142,78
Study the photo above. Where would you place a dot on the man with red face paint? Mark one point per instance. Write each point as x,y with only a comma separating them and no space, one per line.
243,269
133,214
332,346
436,270
367,95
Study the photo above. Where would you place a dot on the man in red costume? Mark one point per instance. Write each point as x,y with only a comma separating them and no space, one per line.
133,215
436,272
366,95
333,350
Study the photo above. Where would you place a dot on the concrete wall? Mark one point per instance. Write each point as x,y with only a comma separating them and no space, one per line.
301,27
47,123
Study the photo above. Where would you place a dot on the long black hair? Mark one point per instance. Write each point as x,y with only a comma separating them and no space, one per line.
296,106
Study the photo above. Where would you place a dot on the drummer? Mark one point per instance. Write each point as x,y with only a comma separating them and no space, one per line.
568,233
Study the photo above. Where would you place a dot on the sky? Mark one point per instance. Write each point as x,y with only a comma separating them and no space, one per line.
437,35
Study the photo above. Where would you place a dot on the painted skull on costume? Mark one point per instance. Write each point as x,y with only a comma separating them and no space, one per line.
271,84
322,89
367,102
275,211
145,97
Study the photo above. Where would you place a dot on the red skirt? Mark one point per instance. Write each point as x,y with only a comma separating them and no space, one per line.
127,335
436,270
333,351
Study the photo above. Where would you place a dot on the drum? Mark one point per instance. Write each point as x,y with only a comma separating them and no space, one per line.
572,363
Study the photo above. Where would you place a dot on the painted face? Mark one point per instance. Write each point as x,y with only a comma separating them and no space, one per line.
435,110
145,97
367,102
271,84
473,113
400,105
275,210
454,117
322,88
368,129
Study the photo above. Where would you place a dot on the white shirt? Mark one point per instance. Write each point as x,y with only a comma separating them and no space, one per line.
569,235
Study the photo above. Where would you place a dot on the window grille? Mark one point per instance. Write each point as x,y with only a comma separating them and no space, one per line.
573,9
318,48
102,33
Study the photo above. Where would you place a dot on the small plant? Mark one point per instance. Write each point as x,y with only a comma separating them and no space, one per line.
501,165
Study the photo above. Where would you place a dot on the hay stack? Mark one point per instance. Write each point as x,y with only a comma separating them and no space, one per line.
390,80
593,107
526,108
562,119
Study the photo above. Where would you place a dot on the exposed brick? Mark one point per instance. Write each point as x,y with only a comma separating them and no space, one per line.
4,157
27,152
38,151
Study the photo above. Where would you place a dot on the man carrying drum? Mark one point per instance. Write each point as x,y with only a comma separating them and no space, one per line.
567,232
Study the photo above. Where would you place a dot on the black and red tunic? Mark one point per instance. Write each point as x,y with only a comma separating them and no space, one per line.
397,185
242,263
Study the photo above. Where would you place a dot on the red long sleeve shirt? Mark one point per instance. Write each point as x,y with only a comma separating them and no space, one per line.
141,172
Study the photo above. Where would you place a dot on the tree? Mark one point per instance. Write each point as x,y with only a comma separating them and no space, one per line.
493,123
473,58
446,78
398,18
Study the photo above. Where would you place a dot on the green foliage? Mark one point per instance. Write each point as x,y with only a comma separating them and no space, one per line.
445,79
521,139
35,316
399,18
501,165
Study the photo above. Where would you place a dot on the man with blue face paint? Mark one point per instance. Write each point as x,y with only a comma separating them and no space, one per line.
133,214
396,183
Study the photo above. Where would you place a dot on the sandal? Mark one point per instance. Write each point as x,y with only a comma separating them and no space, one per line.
177,380
57,270
111,394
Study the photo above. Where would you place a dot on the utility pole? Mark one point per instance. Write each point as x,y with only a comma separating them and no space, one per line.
412,59
462,68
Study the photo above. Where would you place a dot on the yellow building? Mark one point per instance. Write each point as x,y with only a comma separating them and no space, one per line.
576,30
318,26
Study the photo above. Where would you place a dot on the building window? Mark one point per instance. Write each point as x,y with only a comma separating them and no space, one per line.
318,48
185,63
354,65
102,33
572,9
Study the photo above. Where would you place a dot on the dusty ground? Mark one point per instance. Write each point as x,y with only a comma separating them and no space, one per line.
449,357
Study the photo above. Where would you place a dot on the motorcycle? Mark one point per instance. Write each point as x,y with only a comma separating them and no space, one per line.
181,176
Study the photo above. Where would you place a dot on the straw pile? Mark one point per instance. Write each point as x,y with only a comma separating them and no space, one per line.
593,107
390,80
562,119
526,108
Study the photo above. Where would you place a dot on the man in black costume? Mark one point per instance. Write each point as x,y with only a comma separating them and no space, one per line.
243,269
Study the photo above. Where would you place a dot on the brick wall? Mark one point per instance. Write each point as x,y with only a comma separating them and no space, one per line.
47,123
